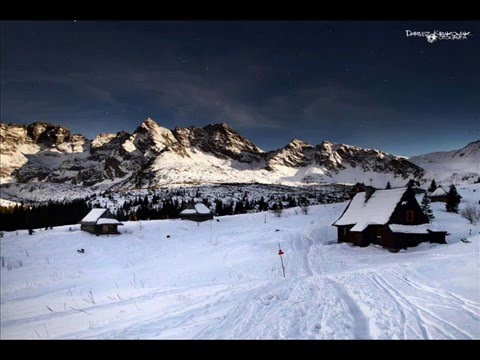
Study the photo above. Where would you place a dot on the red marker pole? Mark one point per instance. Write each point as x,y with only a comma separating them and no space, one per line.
280,253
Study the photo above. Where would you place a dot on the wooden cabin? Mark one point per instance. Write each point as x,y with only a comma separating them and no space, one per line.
390,218
196,212
100,222
438,195
360,187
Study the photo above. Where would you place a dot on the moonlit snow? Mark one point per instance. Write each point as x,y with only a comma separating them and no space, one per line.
174,279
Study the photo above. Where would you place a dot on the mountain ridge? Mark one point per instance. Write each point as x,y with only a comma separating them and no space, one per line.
153,155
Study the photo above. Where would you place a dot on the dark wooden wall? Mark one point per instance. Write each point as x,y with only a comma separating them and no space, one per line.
197,217
99,230
399,215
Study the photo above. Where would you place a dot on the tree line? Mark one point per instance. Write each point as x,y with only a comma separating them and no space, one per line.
26,217
42,216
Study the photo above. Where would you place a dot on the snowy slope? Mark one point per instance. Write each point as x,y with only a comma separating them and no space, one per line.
222,279
457,166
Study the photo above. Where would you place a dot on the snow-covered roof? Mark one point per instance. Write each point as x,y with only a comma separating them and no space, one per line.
414,229
375,211
188,211
202,209
93,216
439,191
198,208
107,221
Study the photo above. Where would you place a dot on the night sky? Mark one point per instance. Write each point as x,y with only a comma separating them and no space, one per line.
360,83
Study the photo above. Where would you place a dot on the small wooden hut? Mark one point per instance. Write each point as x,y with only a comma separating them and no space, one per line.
196,212
438,195
100,222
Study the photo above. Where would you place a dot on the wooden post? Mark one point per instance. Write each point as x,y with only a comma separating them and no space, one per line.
280,253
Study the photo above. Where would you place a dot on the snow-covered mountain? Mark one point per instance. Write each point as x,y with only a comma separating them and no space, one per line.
457,166
156,156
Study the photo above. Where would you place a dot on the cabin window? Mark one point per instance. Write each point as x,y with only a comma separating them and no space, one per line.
410,215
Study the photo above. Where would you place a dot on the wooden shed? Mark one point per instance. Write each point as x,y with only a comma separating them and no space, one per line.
100,222
438,195
196,212
391,218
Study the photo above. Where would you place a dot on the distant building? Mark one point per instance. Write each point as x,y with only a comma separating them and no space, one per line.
439,195
100,222
390,218
197,212
360,187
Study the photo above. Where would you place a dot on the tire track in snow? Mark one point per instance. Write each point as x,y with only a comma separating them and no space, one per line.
361,322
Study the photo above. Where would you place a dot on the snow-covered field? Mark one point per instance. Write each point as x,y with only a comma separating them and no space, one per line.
222,280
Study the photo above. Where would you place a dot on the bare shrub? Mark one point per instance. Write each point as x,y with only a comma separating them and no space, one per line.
277,212
11,264
90,298
471,213
304,209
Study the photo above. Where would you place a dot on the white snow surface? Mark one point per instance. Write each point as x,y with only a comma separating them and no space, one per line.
413,229
377,210
223,280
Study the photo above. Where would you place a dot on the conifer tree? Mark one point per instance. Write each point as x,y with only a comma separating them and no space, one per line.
453,199
388,186
433,186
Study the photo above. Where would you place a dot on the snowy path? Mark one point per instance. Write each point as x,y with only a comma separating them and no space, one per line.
223,280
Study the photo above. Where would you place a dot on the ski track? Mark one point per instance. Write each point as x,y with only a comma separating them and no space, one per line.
404,304
424,317
398,305
361,323
468,305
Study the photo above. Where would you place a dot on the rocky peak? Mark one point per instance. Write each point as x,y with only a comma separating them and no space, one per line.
149,125
227,138
335,157
295,154
298,144
151,139
46,133
102,139
220,140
